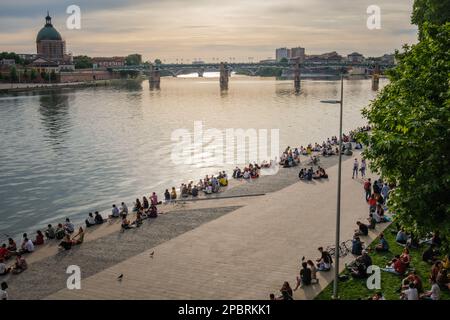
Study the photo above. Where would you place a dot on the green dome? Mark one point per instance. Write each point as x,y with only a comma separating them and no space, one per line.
48,32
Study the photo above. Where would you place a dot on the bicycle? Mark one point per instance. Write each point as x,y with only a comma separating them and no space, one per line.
344,249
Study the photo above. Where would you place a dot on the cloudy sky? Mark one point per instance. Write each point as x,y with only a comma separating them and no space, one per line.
207,29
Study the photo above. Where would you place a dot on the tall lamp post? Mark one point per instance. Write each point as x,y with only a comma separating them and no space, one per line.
338,209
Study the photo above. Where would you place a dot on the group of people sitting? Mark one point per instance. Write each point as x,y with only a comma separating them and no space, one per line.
64,232
252,171
208,185
291,156
309,174
307,275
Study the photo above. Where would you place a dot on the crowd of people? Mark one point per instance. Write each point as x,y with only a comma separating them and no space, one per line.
207,185
291,156
376,194
310,174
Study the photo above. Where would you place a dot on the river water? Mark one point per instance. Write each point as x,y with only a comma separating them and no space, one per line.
68,152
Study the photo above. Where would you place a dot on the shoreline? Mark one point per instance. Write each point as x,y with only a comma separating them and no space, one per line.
236,188
38,87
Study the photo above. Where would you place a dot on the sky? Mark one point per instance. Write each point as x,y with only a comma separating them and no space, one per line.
210,29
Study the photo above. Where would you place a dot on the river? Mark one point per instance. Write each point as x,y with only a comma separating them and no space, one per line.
67,152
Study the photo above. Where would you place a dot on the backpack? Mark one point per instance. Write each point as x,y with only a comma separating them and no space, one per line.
366,185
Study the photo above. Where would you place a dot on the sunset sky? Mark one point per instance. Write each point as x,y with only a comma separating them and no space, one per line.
189,29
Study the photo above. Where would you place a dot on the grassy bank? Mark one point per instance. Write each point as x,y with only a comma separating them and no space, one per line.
354,289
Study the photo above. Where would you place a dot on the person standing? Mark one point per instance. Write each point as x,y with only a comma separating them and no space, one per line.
363,168
385,192
368,188
355,169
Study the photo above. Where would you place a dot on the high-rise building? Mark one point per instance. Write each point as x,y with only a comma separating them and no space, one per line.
281,53
298,53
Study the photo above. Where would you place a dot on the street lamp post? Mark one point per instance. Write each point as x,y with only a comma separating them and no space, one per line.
338,209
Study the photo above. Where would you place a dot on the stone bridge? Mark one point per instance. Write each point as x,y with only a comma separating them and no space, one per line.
253,68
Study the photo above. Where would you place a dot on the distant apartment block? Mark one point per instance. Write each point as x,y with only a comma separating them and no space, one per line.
108,62
281,53
297,53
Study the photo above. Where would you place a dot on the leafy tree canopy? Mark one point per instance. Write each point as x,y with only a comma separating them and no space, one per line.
133,59
410,139
82,62
11,55
436,12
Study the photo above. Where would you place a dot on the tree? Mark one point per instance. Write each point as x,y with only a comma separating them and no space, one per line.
409,142
53,75
33,74
82,62
133,59
13,74
284,60
436,12
158,61
25,75
11,55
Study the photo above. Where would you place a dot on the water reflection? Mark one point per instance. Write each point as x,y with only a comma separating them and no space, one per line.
55,118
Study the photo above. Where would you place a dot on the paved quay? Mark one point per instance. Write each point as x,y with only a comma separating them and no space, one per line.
47,272
244,254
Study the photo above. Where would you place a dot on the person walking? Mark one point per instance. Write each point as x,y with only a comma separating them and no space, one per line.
355,169
363,168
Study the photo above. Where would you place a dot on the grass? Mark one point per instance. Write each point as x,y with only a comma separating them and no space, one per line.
354,289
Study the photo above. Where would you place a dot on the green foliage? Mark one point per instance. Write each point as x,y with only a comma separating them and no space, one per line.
82,62
354,289
11,55
13,74
33,74
133,59
158,61
436,12
270,72
409,142
44,75
128,74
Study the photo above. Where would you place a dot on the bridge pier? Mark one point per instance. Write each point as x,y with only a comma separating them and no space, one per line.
201,72
376,78
297,76
154,78
224,76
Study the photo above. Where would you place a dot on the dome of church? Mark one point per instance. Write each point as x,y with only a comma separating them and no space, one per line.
48,32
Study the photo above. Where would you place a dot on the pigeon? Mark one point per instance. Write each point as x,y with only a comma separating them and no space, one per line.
303,258
119,278
151,254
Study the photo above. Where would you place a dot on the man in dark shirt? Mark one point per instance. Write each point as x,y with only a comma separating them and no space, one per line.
305,274
363,229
